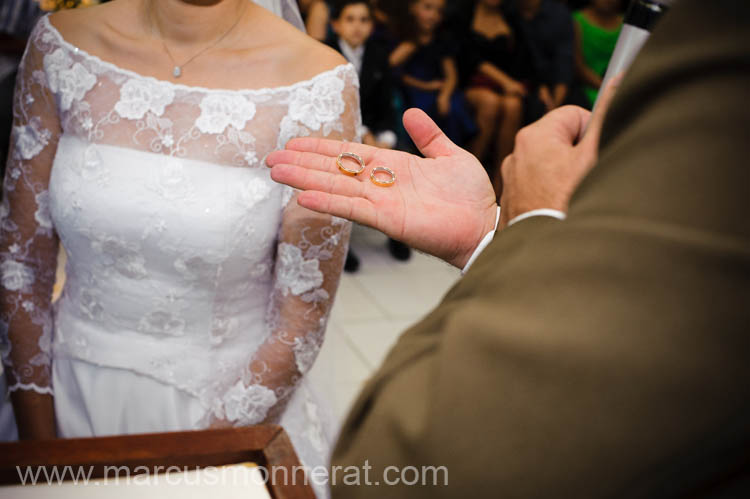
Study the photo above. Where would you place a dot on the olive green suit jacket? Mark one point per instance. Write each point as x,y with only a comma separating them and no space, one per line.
607,355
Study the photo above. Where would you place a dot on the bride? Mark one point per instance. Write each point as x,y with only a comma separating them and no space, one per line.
197,289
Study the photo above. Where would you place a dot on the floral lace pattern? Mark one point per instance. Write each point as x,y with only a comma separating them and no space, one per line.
16,276
296,275
186,262
30,140
248,405
137,97
318,106
220,111
68,79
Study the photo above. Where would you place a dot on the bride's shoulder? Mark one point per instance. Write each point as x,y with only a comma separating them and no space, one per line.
296,55
311,58
94,26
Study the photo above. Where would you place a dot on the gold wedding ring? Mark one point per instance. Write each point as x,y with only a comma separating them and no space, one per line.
382,183
347,171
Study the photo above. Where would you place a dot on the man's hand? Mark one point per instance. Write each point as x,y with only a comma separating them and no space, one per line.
442,204
550,158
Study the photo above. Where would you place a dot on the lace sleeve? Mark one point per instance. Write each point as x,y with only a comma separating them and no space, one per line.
310,256
28,242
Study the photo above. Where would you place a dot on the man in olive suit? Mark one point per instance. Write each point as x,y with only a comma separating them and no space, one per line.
606,355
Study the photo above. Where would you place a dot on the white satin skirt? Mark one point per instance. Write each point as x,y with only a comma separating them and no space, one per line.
92,400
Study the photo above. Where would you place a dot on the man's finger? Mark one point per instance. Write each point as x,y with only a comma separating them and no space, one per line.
504,175
330,148
594,126
357,210
307,179
565,123
310,160
427,136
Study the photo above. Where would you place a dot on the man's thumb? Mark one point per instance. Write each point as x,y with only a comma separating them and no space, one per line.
427,136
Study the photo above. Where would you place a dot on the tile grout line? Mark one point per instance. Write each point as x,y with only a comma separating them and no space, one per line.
355,350
372,298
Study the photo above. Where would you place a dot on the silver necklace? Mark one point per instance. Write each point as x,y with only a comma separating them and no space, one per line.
177,70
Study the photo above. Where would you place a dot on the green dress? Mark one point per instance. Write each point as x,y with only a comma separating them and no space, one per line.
597,45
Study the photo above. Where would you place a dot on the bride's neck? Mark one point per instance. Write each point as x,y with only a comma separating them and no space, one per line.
190,22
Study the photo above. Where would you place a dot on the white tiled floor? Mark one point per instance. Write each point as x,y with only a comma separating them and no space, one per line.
373,307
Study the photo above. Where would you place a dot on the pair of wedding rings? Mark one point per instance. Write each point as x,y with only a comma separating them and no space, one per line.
374,177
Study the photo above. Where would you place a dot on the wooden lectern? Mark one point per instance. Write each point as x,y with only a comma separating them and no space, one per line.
266,445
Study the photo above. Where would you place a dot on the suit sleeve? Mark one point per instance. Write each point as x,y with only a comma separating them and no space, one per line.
606,355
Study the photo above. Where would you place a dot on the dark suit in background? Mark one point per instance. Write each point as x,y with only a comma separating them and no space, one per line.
608,355
547,41
375,87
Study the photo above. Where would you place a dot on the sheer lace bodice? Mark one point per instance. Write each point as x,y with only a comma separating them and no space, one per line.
186,262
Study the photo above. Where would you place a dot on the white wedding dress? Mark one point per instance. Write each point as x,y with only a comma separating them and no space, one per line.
196,291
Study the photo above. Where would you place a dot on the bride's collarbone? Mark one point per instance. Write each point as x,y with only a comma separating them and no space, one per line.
251,59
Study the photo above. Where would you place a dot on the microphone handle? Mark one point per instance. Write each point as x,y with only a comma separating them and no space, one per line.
639,19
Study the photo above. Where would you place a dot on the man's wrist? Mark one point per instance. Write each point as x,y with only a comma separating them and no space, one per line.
482,243
541,212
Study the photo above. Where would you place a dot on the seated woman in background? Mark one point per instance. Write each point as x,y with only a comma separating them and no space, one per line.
426,66
597,28
546,28
489,58
315,14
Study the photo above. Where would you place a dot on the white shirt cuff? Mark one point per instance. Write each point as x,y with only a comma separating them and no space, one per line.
542,212
482,244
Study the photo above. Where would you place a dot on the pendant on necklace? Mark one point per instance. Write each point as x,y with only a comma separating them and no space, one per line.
176,72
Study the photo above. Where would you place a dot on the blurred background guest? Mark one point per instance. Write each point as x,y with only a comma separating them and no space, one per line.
547,28
426,65
353,23
316,15
489,67
597,27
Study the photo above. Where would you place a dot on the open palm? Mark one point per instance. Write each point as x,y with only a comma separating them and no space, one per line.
442,204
